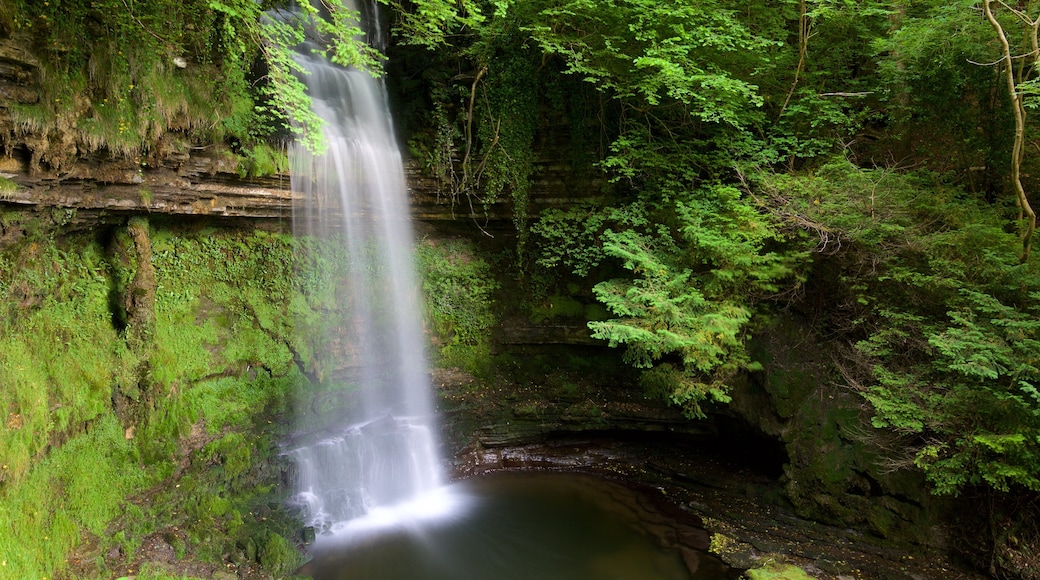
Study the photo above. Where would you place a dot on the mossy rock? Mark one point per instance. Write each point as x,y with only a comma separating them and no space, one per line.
279,556
582,412
733,552
777,571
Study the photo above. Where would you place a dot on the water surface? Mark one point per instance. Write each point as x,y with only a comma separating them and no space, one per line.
513,526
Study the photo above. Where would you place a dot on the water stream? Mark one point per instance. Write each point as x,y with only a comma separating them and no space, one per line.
372,488
355,194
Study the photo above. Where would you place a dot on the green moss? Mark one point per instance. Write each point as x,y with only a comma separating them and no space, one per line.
261,160
110,86
220,370
7,186
81,486
459,287
777,571
557,306
152,571
58,348
231,402
583,410
279,556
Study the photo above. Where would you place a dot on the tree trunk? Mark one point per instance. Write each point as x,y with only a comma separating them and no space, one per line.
1027,217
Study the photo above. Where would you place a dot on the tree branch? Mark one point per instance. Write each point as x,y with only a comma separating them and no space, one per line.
1026,213
803,50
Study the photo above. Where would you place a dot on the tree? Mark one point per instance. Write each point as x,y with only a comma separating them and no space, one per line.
942,316
694,251
1015,87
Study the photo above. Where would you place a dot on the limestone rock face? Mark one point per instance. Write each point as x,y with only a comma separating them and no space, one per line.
18,72
196,185
208,185
838,469
55,171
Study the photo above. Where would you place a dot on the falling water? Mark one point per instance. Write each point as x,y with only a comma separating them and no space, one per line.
372,485
355,193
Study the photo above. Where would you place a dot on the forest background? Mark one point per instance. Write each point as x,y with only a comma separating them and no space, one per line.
867,165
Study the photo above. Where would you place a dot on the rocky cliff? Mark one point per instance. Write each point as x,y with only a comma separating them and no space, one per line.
52,167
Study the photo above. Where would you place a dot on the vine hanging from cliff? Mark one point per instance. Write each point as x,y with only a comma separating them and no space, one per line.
506,133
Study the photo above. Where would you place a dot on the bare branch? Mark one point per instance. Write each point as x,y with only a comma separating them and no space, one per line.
861,94
469,125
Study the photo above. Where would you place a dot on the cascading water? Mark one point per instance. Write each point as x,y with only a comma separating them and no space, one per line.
372,485
355,193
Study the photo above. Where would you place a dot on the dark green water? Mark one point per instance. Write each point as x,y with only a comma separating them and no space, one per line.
515,526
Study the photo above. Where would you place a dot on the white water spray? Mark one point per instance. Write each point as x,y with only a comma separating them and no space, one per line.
355,192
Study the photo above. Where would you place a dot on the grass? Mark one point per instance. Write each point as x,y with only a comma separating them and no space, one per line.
7,187
131,110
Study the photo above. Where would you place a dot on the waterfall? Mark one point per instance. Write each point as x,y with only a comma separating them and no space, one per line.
355,194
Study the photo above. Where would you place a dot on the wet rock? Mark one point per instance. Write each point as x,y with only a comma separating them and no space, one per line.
18,70
831,473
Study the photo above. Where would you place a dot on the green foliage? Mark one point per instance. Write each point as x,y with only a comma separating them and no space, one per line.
671,79
678,100
429,23
819,85
937,93
696,260
507,130
684,310
80,486
219,366
459,289
946,315
568,238
120,76
653,51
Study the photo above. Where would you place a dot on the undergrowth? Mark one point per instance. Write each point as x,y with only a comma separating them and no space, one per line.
214,385
459,287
